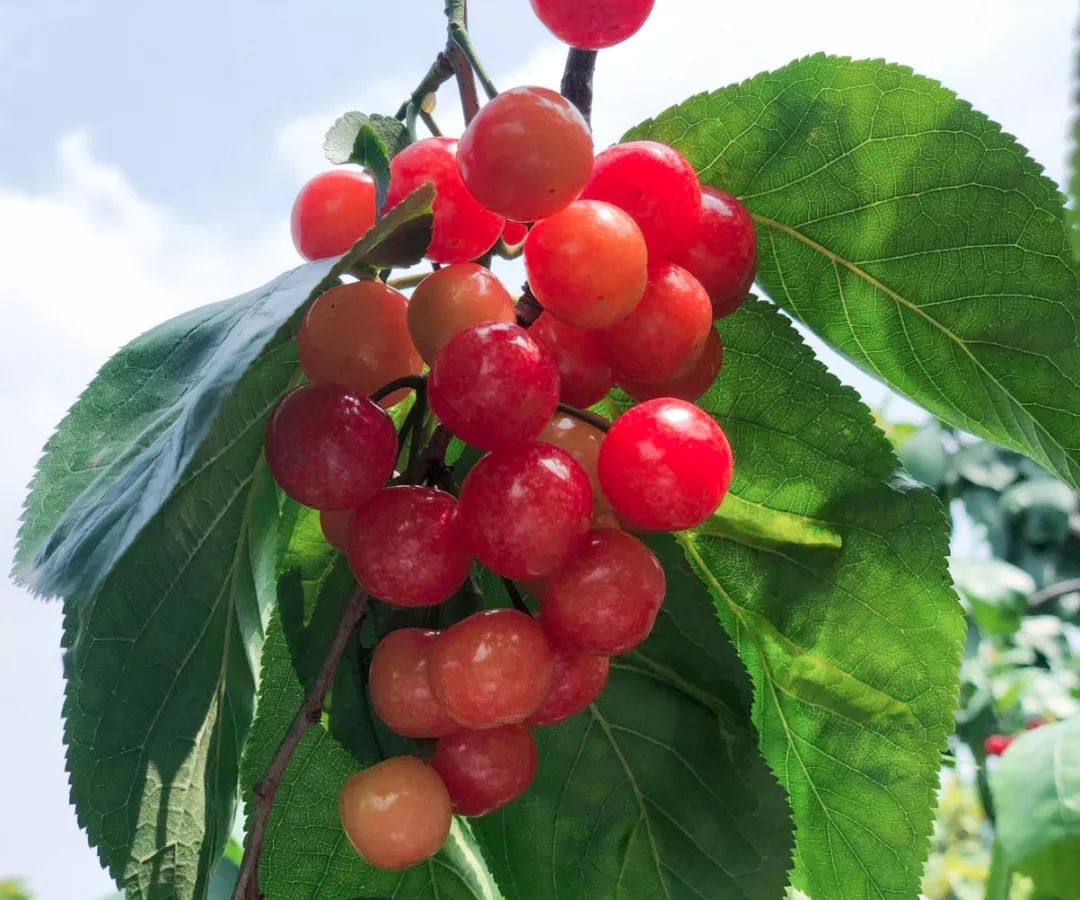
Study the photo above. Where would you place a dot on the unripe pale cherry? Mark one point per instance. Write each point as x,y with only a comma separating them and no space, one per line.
484,770
492,668
525,510
334,524
396,813
656,186
592,24
330,447
526,154
582,441
584,375
665,465
452,298
356,335
406,546
493,386
587,265
462,229
691,384
399,688
579,679
332,212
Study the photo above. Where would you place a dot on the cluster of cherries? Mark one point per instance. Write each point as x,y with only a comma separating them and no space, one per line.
631,260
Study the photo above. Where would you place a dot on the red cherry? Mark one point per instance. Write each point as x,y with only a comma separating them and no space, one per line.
691,384
335,527
605,599
526,154
1032,724
514,233
594,24
462,228
406,547
584,375
665,465
525,510
399,688
655,185
996,744
332,212
483,770
493,386
493,668
329,447
579,679
582,441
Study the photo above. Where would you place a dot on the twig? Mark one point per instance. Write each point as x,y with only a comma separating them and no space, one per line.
1054,591
515,597
414,382
577,80
585,416
457,29
440,72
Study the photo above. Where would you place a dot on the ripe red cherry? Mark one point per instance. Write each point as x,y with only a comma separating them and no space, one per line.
397,813
605,599
332,212
514,233
584,375
483,770
665,334
587,264
665,465
335,527
525,510
493,668
582,441
594,24
406,546
722,254
462,228
1032,724
579,679
399,688
996,744
493,385
329,447
691,384
655,185
526,154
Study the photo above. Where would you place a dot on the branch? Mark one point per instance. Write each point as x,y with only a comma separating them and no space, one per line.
1054,591
440,72
577,80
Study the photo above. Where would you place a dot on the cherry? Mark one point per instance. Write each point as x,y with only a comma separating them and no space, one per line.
594,24
330,447
605,599
526,154
406,546
665,465
452,298
483,770
666,333
332,212
514,233
335,527
722,254
691,384
462,228
397,813
492,668
584,375
525,510
655,185
1032,724
582,441
356,335
399,688
579,679
587,264
493,386
996,744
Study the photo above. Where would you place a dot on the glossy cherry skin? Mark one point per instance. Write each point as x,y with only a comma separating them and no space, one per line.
584,375
656,186
399,688
605,599
483,770
582,441
691,384
396,813
665,465
462,229
514,233
592,24
525,510
332,212
451,299
492,668
335,527
587,265
356,335
526,154
330,447
722,254
406,546
579,679
493,386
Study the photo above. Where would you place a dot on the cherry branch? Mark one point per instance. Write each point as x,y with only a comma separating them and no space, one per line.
577,80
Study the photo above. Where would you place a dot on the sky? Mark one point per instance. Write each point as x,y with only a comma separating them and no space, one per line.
149,154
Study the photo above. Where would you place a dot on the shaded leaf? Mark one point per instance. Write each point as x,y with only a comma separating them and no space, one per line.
369,141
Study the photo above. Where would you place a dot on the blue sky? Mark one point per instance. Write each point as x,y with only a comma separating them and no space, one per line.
149,154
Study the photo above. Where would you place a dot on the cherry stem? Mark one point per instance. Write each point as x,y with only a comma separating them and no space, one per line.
430,123
413,382
247,882
577,80
440,72
458,32
515,597
407,281
528,308
585,416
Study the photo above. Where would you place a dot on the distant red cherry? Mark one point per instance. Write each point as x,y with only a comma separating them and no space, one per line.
483,770
592,24
332,212
399,688
996,744
514,232
1032,724
584,375
579,679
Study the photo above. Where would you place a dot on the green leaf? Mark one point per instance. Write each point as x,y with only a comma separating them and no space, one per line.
1074,180
853,651
1037,798
369,141
911,233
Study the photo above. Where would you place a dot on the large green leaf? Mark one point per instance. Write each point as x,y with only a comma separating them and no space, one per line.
911,233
